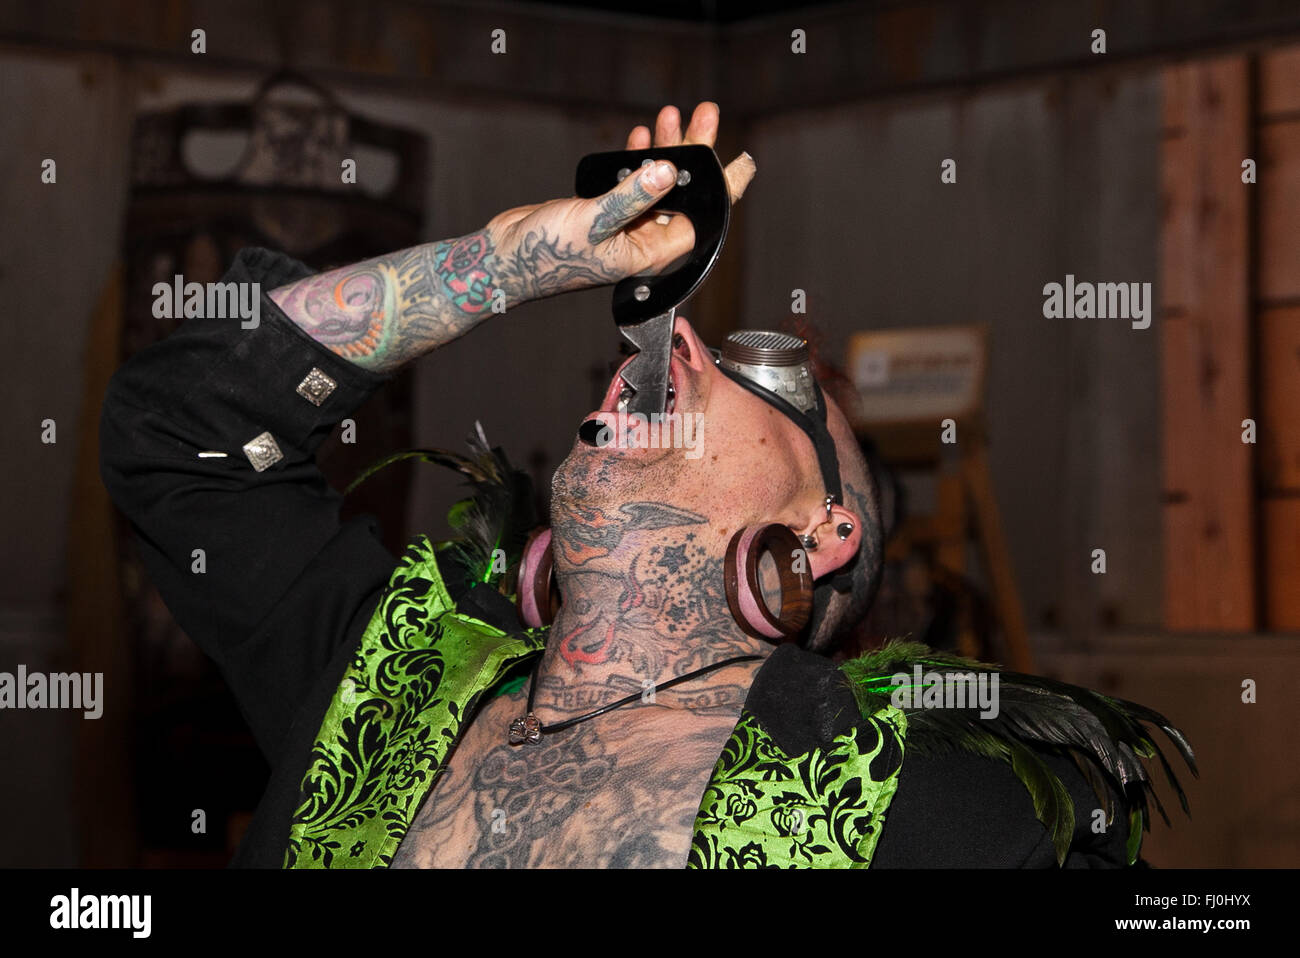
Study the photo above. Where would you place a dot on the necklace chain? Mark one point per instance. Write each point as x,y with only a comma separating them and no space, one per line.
530,729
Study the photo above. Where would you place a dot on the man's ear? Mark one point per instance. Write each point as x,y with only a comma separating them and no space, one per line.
832,551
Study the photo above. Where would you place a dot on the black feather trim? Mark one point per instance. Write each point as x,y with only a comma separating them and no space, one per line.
1105,736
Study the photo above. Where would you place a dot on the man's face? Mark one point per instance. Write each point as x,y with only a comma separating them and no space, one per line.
722,452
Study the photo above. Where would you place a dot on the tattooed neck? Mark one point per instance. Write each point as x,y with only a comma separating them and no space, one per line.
644,602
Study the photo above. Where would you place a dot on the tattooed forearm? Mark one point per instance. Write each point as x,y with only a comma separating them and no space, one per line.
541,265
386,311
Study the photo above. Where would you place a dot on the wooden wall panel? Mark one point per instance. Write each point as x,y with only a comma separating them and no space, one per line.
1279,210
1279,82
1177,227
1281,519
1279,390
1209,517
1279,335
1279,463
1175,82
1209,548
1180,347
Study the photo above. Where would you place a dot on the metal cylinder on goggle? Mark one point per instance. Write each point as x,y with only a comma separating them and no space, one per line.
778,362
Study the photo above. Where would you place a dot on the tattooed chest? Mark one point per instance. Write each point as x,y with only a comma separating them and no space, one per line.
579,799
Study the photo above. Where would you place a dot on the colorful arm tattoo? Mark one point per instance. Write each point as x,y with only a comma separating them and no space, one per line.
384,312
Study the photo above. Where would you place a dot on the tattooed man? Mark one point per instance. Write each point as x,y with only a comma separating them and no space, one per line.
376,689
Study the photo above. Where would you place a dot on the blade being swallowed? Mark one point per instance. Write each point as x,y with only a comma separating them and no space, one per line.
647,373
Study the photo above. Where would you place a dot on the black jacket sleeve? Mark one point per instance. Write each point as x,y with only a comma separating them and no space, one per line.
958,810
285,583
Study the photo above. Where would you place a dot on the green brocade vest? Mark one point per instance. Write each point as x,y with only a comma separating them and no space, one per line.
416,680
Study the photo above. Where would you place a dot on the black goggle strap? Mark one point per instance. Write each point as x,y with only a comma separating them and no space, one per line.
815,427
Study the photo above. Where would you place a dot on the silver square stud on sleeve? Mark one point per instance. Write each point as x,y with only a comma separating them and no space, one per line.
263,451
316,387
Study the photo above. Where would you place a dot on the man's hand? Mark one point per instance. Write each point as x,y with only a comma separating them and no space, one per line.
382,313
569,244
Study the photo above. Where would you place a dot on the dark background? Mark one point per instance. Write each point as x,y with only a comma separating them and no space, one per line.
1119,167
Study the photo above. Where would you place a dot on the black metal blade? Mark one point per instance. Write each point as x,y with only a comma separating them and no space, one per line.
647,373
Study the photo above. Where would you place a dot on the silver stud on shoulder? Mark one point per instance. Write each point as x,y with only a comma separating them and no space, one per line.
263,451
316,387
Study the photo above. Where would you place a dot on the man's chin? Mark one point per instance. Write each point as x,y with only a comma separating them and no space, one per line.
610,459
592,473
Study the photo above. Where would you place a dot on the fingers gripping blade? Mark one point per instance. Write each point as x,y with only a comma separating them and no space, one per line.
645,306
647,373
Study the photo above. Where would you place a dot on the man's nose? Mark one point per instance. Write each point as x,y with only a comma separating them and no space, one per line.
698,355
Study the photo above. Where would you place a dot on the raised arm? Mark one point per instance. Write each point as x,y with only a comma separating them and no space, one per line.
208,437
386,311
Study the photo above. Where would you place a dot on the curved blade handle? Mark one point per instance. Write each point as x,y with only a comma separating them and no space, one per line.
700,195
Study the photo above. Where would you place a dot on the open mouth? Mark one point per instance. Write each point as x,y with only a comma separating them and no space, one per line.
619,394
626,393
